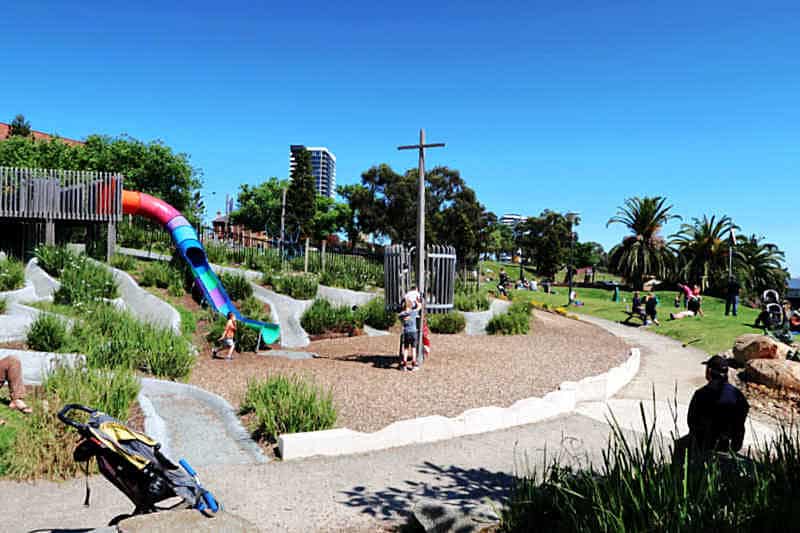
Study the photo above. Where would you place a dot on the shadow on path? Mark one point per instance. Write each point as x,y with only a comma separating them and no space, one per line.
456,486
378,361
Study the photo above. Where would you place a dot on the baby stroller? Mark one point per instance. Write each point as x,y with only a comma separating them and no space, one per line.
133,463
772,316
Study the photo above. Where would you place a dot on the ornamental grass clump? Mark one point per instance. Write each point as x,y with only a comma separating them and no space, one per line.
48,333
471,301
298,286
515,321
450,323
123,262
374,314
287,404
83,280
236,285
323,317
12,275
637,488
53,259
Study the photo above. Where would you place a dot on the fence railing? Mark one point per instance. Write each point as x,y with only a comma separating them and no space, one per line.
440,276
47,194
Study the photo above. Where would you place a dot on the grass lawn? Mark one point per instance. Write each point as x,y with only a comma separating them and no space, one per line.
712,333
513,272
8,432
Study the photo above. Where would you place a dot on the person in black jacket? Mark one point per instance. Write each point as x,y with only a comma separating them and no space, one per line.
732,296
717,413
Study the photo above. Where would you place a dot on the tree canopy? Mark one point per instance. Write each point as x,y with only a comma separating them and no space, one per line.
148,167
259,206
301,195
19,127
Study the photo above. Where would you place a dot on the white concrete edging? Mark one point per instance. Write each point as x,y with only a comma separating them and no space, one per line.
480,420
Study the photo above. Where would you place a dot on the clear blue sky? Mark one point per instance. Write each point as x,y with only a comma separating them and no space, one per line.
560,105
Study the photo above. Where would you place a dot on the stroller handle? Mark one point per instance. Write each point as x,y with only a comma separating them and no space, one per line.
62,414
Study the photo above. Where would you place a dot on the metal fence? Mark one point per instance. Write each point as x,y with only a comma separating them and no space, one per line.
46,194
440,276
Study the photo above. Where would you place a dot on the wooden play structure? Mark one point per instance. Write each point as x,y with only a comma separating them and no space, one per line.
33,201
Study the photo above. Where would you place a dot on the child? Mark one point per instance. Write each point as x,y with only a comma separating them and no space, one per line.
651,309
409,342
426,339
227,337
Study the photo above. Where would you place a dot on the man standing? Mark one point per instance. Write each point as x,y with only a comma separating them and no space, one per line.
717,411
732,296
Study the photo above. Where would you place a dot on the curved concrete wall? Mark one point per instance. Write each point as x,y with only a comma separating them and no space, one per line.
36,365
480,420
44,284
339,297
145,306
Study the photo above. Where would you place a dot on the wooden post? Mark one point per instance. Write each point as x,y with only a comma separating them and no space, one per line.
305,263
49,232
111,243
324,242
421,229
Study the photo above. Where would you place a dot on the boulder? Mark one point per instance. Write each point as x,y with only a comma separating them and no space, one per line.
754,346
186,520
774,373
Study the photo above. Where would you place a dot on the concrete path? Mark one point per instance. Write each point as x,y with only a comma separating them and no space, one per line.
288,311
197,425
477,320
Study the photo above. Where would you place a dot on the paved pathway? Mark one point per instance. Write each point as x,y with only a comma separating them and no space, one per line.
379,489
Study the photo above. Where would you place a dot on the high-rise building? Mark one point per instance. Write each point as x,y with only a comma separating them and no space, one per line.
323,168
512,219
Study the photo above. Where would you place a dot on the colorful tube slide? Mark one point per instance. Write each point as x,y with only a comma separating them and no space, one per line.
187,243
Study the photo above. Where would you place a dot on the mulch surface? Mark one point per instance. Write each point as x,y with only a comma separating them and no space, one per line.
464,372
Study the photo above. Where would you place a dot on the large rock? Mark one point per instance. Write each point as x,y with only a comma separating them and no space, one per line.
754,346
774,373
186,520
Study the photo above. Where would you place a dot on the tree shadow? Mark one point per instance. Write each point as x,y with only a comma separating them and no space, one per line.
463,488
377,361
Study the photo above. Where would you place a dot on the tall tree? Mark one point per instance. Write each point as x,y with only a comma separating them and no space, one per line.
760,265
330,217
702,248
148,167
259,206
19,127
301,196
644,252
545,240
589,254
498,237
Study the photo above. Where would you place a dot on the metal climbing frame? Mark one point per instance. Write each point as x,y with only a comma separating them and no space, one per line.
440,276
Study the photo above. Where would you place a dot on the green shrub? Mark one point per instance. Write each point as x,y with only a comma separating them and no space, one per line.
515,321
83,280
110,391
322,317
452,322
268,262
236,285
299,286
123,262
155,274
471,301
12,275
116,339
374,314
3,306
282,404
53,259
48,333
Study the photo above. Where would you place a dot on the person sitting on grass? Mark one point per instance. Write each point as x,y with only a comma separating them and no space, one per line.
11,372
501,285
227,337
651,309
409,341
717,413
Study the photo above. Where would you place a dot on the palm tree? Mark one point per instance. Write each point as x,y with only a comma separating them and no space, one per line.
644,252
761,265
702,249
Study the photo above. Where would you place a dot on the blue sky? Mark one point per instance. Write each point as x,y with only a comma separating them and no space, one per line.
567,106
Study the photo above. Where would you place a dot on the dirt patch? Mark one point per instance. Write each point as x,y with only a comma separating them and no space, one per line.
464,372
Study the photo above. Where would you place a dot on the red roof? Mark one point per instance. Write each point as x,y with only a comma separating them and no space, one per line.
38,135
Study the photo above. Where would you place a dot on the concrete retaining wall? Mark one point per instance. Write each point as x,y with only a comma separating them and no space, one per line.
432,428
340,297
145,306
44,284
35,365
